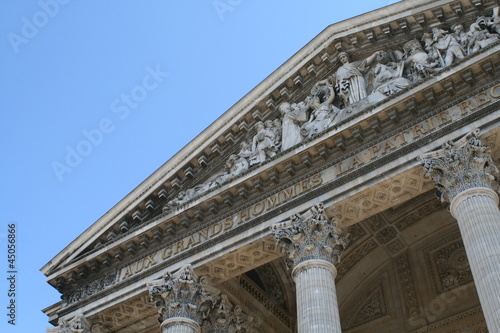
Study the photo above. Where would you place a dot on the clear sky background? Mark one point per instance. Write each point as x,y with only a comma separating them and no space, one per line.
65,66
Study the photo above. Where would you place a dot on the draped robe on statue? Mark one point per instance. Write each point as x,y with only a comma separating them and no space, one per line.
350,81
292,120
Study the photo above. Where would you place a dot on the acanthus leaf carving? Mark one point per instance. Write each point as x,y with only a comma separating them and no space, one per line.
309,236
459,166
77,324
183,294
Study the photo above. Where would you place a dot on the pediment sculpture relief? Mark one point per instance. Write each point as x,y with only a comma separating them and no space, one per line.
354,86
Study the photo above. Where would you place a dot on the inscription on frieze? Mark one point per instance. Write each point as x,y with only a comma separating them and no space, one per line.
220,227
419,130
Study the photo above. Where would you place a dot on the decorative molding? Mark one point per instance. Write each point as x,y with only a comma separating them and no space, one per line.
242,260
454,323
354,257
378,198
371,304
417,215
375,223
227,318
448,264
250,305
272,283
90,288
407,286
263,298
356,232
124,314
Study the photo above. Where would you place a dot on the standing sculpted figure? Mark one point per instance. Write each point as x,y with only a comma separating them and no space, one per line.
494,22
349,80
262,144
293,117
277,132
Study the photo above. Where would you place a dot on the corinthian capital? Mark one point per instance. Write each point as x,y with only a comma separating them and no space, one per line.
311,236
459,166
183,294
77,324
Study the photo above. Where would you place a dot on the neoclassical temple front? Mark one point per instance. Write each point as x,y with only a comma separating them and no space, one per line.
353,190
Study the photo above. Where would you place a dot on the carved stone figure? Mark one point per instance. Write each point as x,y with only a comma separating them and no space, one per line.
235,166
418,63
245,149
461,36
277,132
388,78
349,78
354,86
262,144
181,198
479,36
494,22
292,120
323,113
448,47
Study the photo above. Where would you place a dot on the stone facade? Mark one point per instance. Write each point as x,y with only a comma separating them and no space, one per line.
311,204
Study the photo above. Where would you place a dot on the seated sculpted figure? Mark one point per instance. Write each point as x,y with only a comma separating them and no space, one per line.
418,63
388,78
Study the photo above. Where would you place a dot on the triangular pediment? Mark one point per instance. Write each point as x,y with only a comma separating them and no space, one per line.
311,103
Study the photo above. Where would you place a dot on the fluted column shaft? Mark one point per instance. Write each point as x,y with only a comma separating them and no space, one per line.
180,325
478,216
317,308
314,245
466,177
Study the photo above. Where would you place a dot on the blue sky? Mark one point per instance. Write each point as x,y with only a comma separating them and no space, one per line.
96,95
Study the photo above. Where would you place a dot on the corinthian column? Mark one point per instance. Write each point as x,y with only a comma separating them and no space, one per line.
314,246
183,299
465,176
